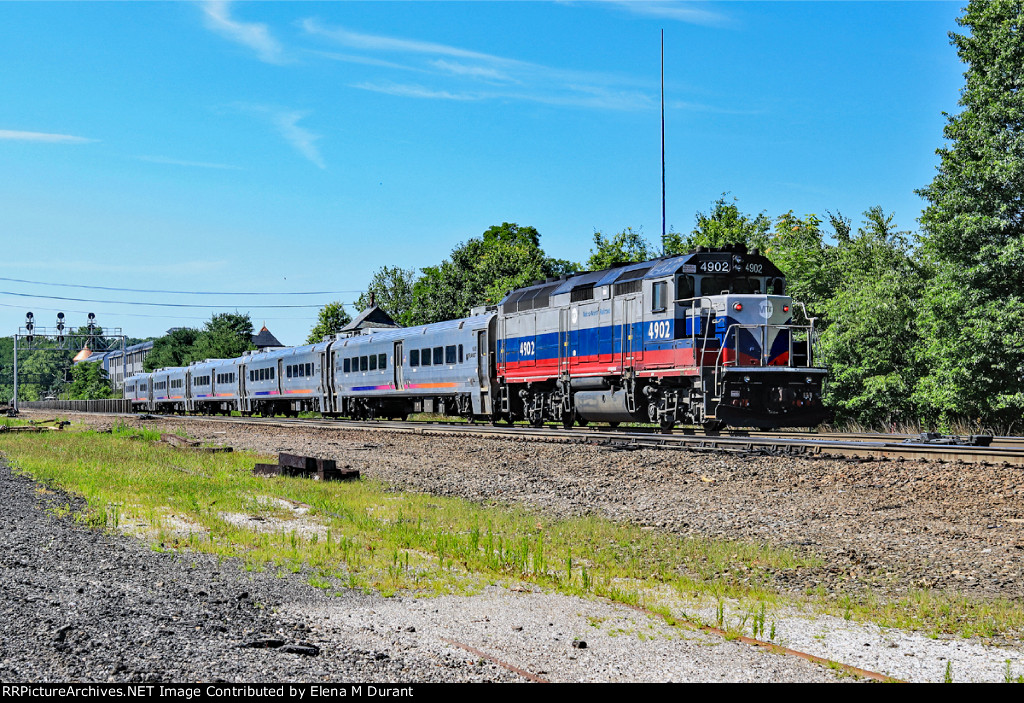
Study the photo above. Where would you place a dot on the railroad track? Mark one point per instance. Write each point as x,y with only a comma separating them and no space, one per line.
1002,450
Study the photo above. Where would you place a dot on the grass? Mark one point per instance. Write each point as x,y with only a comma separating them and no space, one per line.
363,535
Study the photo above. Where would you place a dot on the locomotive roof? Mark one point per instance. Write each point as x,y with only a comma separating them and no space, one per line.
655,268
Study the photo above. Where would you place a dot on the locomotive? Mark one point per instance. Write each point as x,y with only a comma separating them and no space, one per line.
704,338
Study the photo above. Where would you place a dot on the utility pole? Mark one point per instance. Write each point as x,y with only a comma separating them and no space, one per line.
663,142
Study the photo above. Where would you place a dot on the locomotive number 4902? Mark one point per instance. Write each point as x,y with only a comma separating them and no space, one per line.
660,330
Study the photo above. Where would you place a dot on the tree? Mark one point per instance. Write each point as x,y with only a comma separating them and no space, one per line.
392,290
797,246
973,306
225,336
89,382
723,225
174,349
871,336
625,247
481,272
330,321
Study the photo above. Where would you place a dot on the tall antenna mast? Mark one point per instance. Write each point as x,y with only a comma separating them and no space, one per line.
662,142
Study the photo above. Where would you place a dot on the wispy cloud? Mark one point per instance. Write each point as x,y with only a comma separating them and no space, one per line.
377,42
456,73
43,137
483,72
285,122
181,162
300,138
254,35
689,12
415,91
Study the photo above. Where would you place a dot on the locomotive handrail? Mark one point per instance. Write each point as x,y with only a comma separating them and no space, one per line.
693,326
735,328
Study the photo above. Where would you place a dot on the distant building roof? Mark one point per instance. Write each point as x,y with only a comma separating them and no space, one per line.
265,339
372,316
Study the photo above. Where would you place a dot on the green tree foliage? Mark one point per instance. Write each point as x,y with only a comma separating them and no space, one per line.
174,349
330,321
627,246
481,272
392,289
797,246
42,371
724,224
89,382
225,336
973,306
870,339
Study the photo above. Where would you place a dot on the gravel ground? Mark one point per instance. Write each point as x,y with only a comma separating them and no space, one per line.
884,525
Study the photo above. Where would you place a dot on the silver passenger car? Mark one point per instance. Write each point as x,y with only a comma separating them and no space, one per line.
169,390
215,386
442,368
138,389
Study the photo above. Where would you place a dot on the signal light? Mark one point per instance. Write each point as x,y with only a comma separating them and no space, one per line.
785,308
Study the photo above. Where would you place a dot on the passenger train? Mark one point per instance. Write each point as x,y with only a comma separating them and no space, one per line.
704,338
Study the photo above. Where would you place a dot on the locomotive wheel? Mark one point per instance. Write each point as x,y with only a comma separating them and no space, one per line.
613,425
712,426
567,422
582,421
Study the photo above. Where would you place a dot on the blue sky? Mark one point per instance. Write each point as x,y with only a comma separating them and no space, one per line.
289,147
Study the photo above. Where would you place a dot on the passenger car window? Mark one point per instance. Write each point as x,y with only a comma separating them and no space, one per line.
414,357
438,356
425,357
382,361
449,354
373,362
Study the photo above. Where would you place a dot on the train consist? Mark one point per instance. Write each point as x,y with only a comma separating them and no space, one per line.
703,338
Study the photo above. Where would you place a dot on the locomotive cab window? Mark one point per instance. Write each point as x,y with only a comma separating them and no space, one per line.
658,296
713,285
777,286
684,288
746,285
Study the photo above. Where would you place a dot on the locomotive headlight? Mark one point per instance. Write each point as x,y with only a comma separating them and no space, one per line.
746,379
737,307
809,380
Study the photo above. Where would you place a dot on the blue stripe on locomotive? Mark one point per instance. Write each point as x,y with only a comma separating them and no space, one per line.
659,335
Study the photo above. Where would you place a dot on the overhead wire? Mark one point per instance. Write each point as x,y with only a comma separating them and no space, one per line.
159,305
177,292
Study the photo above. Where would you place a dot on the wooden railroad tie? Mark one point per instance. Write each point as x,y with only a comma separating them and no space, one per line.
307,467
